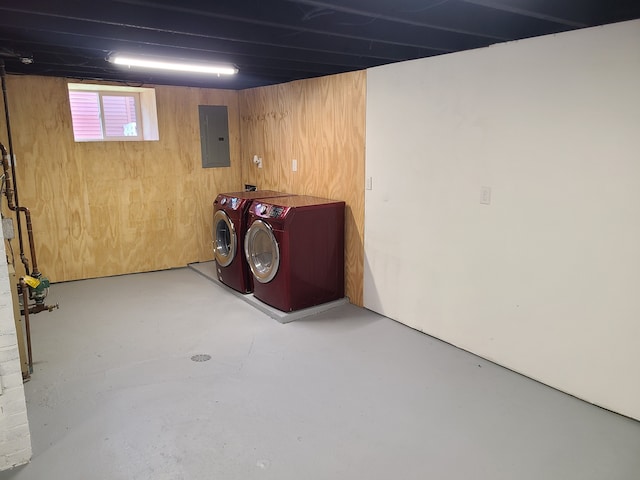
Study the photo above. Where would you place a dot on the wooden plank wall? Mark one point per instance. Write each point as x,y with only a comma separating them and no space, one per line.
321,124
107,208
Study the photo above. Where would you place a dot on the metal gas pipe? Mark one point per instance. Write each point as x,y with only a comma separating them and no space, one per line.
37,283
33,286
9,162
25,301
10,193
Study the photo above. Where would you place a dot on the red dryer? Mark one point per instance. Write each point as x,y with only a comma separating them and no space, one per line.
229,227
295,250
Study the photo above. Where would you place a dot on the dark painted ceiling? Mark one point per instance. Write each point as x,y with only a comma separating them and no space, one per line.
273,41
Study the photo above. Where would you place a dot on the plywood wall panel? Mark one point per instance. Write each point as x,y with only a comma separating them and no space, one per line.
119,207
107,208
320,123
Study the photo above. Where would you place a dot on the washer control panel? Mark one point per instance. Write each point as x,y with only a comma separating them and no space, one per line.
228,202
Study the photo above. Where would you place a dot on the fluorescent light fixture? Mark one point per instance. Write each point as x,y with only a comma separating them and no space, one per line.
176,66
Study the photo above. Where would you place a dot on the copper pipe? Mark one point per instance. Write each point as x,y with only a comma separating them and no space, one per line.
25,304
34,272
3,76
40,307
5,167
27,214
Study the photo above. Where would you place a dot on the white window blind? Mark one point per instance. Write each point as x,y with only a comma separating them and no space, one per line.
119,115
85,113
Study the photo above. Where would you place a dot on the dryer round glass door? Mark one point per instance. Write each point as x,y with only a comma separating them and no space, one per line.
224,239
262,251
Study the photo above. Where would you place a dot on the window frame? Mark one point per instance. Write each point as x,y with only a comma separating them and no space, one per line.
139,122
145,105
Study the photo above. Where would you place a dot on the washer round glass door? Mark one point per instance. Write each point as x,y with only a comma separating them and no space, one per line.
224,239
262,251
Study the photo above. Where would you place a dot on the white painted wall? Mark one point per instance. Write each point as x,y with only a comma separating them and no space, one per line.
546,279
15,439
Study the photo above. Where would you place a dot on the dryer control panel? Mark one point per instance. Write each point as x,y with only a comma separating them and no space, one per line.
266,210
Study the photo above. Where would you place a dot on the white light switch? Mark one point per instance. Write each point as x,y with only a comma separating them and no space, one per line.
294,165
368,184
7,228
485,195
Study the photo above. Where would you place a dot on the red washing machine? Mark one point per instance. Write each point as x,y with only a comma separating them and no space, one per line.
229,227
295,250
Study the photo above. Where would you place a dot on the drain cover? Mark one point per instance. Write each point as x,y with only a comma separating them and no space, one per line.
202,357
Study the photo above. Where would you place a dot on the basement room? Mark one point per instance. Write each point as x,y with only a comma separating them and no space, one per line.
303,239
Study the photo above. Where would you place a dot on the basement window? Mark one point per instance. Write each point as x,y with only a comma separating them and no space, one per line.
103,113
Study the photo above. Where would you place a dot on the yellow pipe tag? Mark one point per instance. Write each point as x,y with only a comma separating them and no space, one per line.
32,282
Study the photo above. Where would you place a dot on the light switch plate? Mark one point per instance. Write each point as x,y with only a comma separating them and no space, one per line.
485,195
7,228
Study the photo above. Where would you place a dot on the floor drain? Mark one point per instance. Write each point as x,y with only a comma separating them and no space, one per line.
201,357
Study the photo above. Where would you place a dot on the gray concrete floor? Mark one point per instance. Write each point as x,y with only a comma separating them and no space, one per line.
345,394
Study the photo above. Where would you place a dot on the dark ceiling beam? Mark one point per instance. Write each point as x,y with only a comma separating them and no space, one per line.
236,83
161,44
204,28
274,41
99,72
338,25
223,51
391,14
185,23
544,10
79,67
58,44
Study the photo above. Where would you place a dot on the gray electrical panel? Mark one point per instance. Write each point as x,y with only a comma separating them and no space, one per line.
214,135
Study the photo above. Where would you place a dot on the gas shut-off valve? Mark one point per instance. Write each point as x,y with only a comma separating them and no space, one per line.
38,290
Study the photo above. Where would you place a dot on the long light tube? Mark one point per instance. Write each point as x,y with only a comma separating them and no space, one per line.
211,69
